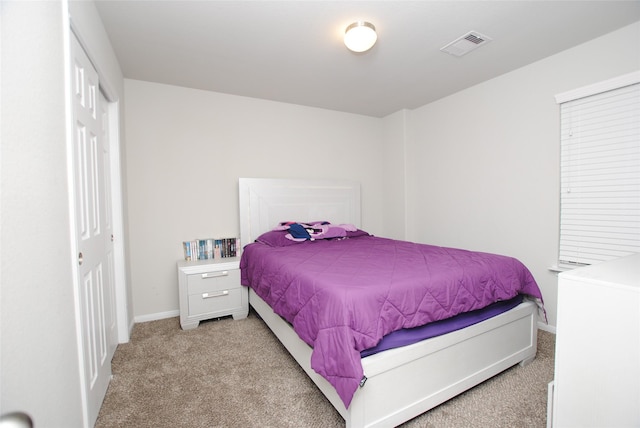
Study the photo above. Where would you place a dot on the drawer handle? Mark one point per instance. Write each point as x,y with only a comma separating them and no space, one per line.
215,274
218,294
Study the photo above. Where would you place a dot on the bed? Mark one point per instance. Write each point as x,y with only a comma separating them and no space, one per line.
388,393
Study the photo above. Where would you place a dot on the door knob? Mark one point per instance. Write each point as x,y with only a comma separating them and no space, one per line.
16,420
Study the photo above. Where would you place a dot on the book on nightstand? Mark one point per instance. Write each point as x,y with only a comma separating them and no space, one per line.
210,249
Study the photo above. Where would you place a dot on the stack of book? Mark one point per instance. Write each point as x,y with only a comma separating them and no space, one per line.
207,249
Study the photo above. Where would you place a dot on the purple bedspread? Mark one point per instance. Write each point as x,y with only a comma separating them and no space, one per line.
343,296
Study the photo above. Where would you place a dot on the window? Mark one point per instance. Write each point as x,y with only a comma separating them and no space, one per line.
600,171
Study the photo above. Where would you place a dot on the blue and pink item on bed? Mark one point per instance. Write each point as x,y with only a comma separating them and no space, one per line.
343,296
315,230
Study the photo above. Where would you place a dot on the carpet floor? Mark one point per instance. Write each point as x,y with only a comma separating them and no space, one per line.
228,373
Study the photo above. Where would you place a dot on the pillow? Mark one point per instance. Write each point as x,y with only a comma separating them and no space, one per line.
276,238
356,233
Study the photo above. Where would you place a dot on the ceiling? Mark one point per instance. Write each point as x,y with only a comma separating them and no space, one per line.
292,51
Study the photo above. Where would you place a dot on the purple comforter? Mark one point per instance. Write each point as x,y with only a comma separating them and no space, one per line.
343,296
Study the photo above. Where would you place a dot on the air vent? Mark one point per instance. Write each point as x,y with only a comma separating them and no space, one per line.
465,44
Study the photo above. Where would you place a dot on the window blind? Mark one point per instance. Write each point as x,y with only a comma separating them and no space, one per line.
600,176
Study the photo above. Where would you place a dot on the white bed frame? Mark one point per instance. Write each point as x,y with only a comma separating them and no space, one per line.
404,382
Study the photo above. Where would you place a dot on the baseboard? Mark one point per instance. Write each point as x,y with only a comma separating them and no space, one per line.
156,316
546,327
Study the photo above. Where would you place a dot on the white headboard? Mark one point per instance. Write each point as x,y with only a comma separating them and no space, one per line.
264,202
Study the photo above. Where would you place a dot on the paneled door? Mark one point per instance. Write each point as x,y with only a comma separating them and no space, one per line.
111,320
93,231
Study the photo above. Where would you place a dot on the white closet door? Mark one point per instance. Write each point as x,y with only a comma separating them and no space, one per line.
93,231
111,321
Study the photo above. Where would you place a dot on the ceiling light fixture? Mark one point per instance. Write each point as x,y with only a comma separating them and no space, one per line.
360,36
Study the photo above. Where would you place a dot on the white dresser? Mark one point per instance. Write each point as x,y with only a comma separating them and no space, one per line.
210,289
597,361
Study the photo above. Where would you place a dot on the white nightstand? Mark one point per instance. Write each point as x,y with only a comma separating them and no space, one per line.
210,289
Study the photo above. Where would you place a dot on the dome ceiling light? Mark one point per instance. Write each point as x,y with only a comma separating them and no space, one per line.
360,36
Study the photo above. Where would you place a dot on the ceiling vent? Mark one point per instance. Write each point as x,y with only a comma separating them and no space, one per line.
465,44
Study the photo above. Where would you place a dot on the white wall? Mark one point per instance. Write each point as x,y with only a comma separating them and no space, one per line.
39,355
483,170
186,150
394,172
39,362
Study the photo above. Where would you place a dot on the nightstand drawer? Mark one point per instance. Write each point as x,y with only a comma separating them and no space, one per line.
215,301
209,282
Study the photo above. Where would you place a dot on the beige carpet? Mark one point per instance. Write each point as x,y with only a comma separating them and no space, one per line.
230,373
